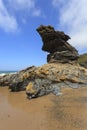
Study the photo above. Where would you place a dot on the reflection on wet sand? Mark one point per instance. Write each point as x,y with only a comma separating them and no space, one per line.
19,100
17,112
66,112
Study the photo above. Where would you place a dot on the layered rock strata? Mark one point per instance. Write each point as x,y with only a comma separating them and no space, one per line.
55,43
49,78
62,69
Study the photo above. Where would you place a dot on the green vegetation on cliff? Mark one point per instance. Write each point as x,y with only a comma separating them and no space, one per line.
83,60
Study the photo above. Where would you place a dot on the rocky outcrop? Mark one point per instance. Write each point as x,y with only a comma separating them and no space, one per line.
62,57
49,78
55,42
62,69
16,82
4,80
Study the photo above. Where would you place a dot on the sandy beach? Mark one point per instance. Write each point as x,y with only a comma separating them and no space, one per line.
65,112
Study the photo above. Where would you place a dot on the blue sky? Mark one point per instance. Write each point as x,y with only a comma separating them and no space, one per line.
20,44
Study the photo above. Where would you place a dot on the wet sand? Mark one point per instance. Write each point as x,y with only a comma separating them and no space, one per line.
65,112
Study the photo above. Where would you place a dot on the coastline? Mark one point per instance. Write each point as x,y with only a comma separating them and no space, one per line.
65,112
2,73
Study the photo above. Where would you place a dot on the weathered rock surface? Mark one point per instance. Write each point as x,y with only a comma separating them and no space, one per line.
49,78
4,80
55,42
16,82
62,57
62,69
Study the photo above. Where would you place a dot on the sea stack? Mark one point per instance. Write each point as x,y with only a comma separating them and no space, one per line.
55,43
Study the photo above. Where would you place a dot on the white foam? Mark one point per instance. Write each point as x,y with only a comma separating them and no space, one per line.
2,74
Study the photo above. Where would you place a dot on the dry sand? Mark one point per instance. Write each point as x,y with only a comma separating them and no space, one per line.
66,112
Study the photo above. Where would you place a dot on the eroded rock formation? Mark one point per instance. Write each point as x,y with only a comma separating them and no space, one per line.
55,42
62,69
49,78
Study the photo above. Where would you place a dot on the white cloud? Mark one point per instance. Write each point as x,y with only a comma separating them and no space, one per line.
7,22
28,6
22,4
58,3
73,18
10,10
36,12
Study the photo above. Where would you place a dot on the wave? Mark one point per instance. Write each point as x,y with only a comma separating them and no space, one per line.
2,73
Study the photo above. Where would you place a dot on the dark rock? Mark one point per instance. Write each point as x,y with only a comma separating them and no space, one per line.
55,42
63,57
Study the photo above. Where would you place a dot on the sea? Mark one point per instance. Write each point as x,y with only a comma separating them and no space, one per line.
2,73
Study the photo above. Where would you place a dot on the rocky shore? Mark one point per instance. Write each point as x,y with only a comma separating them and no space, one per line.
62,69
